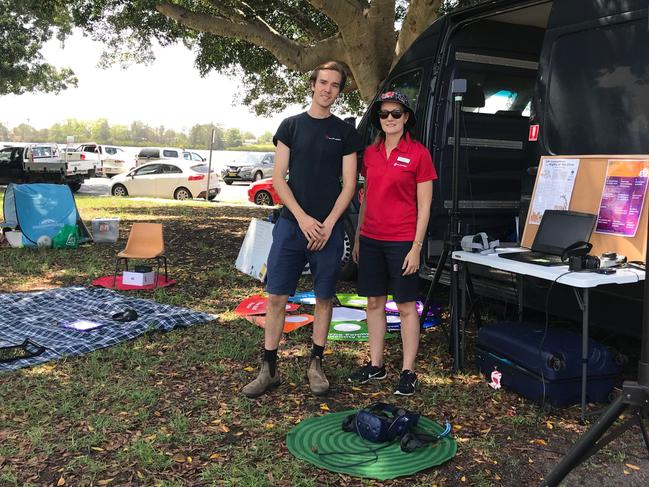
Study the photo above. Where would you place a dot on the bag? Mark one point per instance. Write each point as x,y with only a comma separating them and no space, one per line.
67,238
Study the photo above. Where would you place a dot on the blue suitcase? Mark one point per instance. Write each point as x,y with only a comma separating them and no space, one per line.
546,369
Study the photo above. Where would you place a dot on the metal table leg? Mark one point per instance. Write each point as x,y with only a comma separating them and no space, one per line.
582,299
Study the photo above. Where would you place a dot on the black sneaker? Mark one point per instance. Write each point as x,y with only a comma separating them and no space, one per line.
367,373
407,383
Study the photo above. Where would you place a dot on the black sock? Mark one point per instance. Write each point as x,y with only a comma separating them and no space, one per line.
270,356
317,351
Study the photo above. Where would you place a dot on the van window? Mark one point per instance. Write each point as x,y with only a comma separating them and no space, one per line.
495,91
409,84
170,153
598,97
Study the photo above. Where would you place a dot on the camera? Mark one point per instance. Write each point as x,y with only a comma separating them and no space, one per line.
611,259
583,263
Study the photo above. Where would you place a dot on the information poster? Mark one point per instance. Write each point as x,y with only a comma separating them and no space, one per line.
253,255
625,188
554,187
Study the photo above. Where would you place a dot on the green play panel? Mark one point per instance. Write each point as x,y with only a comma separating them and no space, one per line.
322,442
351,331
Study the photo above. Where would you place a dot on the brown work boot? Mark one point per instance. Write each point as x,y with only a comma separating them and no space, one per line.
317,378
262,383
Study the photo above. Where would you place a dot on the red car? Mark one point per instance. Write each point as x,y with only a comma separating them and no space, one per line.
263,193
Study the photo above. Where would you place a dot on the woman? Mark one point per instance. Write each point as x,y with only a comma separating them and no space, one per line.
392,224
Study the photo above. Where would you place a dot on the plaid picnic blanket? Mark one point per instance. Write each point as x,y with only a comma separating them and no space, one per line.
42,317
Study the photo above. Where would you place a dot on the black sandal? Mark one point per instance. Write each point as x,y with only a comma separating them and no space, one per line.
128,315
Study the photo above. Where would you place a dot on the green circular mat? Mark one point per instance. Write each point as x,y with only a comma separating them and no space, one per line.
322,442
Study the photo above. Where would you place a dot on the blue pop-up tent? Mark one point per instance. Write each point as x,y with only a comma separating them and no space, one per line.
41,210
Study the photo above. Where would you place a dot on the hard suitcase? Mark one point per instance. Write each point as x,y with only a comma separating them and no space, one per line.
545,366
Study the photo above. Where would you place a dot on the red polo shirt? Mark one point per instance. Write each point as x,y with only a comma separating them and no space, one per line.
391,189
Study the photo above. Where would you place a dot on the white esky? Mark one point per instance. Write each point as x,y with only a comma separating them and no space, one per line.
168,92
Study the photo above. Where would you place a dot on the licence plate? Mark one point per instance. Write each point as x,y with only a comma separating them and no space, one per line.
232,173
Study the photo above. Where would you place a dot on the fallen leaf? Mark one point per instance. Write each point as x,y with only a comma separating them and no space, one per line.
357,389
248,369
104,482
549,424
215,456
178,458
328,352
539,441
269,425
224,428
324,407
463,478
632,466
457,427
96,448
60,482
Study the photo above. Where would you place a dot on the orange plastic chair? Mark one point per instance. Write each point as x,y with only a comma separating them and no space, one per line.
145,241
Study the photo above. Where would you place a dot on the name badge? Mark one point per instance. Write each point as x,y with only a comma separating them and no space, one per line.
405,160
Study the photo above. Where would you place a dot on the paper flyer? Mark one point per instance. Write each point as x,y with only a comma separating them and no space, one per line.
554,187
625,188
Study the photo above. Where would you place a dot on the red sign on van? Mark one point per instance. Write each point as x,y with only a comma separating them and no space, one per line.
534,133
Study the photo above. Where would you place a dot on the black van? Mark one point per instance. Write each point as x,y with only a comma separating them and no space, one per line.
543,77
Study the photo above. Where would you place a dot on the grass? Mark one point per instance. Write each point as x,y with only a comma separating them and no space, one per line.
165,409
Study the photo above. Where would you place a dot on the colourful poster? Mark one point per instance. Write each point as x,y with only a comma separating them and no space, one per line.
623,197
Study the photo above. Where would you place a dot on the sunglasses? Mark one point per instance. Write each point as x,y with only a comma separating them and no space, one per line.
396,114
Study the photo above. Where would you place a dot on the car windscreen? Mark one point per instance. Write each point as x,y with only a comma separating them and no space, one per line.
247,159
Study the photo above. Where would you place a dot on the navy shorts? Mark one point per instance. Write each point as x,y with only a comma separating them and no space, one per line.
380,272
288,256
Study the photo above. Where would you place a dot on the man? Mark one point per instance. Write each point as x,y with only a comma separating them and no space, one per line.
317,149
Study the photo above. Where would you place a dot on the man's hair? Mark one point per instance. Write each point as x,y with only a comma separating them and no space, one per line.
333,66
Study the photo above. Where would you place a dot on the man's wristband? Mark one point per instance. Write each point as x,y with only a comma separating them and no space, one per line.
418,243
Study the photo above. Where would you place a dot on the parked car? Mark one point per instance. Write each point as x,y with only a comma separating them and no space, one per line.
193,156
150,154
44,163
248,166
114,160
181,180
263,193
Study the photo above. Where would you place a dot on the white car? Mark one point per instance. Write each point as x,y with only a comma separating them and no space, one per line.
114,160
181,180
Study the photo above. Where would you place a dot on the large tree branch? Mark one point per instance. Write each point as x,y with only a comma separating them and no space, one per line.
291,54
340,11
420,14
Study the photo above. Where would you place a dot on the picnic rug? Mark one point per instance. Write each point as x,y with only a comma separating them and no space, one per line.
322,442
44,318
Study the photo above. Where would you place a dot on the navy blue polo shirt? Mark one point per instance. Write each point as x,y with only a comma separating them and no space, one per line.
317,148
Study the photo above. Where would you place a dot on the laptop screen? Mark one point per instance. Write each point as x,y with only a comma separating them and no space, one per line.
560,229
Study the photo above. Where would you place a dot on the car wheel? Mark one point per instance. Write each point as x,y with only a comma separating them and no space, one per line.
263,198
182,194
228,181
120,190
211,198
348,266
74,187
258,175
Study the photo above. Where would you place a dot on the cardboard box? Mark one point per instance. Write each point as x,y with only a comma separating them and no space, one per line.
138,278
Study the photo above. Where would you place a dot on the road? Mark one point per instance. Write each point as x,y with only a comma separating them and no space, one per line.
235,193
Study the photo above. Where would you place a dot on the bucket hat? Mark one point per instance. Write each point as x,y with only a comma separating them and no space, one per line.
396,97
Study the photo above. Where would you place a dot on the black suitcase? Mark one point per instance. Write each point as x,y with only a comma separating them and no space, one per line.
545,366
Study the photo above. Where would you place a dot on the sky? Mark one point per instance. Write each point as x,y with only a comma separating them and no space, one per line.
169,92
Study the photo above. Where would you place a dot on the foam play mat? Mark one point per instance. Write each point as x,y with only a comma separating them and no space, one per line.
322,442
256,305
291,322
351,331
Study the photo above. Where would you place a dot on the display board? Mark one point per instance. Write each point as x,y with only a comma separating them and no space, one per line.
586,196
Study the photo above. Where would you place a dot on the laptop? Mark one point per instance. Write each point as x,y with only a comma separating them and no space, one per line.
558,230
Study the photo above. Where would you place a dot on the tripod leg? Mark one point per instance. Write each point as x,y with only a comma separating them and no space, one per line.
585,444
433,285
